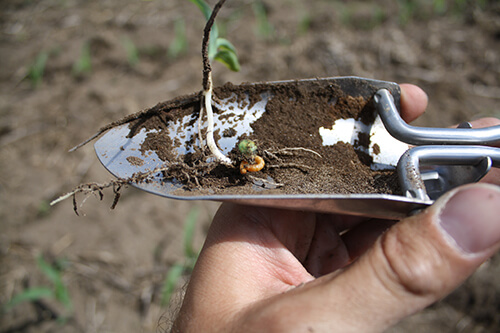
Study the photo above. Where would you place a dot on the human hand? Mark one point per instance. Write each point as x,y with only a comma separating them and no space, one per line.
265,269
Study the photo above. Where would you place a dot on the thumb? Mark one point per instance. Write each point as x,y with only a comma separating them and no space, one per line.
425,257
417,262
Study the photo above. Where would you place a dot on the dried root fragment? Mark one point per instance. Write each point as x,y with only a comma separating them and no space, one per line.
93,188
291,150
116,184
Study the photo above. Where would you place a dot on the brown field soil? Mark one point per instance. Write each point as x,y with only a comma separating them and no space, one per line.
116,261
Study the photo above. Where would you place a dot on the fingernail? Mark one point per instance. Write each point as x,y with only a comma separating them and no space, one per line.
471,217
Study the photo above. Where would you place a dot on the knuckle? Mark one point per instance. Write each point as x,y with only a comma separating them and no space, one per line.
414,265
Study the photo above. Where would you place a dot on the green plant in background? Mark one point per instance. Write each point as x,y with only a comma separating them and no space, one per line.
171,281
83,65
176,271
426,9
304,24
37,69
57,290
219,49
483,3
264,28
407,9
131,50
179,44
43,208
361,15
440,6
456,7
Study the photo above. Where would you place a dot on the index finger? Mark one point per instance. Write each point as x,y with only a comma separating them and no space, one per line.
413,102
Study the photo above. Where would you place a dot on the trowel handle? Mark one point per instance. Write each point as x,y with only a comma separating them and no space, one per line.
479,159
398,128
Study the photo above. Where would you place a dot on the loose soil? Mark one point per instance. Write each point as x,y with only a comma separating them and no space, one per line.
286,134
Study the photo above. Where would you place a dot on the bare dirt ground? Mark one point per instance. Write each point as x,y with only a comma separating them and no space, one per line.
117,260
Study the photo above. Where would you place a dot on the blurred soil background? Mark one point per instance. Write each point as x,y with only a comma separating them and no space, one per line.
69,67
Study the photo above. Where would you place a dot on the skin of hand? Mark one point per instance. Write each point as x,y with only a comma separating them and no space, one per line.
274,270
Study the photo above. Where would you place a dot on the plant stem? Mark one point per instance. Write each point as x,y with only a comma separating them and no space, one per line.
207,69
208,88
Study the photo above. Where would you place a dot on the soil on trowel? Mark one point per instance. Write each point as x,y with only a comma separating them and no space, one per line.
287,136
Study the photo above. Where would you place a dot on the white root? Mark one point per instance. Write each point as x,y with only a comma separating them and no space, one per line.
63,197
200,119
207,95
284,150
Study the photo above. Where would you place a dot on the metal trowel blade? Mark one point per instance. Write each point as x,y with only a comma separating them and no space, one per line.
123,156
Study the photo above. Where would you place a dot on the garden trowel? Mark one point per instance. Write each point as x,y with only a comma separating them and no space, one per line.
429,161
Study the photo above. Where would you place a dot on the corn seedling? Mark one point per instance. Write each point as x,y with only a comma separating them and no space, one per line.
304,24
175,272
424,9
37,69
208,83
219,49
362,16
179,44
131,50
213,48
440,6
57,290
251,161
171,281
407,9
83,64
264,28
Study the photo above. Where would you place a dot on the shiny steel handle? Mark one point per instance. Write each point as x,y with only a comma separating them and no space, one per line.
438,146
409,164
399,129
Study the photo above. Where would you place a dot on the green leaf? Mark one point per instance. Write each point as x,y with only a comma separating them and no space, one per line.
30,295
84,63
264,28
440,6
212,43
59,290
204,7
189,228
247,147
132,51
179,44
37,69
54,275
223,43
304,24
62,295
219,49
214,33
171,280
43,208
228,58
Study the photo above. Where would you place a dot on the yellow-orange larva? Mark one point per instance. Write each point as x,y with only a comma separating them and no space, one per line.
259,164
